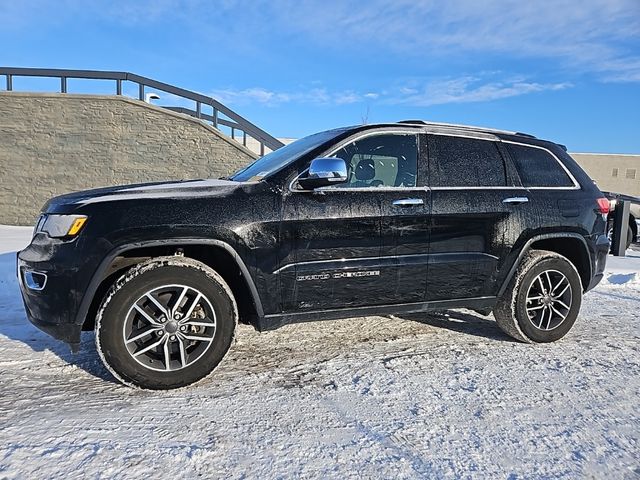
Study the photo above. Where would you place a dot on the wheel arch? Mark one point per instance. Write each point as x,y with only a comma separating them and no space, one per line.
216,254
571,245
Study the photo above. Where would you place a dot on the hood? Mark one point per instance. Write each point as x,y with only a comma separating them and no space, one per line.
173,189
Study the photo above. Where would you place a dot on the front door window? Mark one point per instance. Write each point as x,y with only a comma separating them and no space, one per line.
383,160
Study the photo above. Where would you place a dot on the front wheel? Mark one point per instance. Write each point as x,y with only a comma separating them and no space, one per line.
543,299
166,323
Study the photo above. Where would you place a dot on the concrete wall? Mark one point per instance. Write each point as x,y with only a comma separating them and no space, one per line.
57,143
613,173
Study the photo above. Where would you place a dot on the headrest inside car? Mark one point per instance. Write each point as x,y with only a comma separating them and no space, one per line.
365,170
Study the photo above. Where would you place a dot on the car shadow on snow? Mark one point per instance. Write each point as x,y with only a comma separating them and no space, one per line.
15,326
461,322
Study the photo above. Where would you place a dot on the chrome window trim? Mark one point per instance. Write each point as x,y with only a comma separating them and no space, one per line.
354,138
576,184
503,188
472,135
370,189
370,133
575,187
295,190
478,188
429,130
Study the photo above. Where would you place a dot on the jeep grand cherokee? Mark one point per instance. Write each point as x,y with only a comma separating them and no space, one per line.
365,220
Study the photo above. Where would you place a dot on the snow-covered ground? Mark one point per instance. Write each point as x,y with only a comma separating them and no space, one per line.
412,397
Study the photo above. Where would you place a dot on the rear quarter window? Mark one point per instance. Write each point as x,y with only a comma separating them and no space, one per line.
537,167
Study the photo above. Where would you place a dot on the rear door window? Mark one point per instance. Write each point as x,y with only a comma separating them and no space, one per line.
465,162
537,167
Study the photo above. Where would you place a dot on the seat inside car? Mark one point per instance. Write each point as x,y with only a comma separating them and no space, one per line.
365,171
406,176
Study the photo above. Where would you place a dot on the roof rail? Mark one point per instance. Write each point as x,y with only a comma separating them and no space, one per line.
466,127
528,135
231,119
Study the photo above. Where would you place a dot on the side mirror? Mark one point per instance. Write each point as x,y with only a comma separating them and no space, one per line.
323,172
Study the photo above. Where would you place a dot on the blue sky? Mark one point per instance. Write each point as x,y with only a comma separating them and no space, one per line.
567,70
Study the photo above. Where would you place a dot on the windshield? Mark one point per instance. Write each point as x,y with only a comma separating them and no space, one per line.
274,161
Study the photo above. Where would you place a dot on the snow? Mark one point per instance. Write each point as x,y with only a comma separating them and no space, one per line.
425,395
14,238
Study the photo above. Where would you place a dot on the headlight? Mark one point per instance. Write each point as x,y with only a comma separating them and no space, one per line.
59,226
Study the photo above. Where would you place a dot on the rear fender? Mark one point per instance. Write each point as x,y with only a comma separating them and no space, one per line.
586,275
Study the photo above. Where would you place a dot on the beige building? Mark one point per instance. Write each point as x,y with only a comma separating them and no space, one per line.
612,172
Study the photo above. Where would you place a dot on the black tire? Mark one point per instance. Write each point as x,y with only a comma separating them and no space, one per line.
119,308
520,318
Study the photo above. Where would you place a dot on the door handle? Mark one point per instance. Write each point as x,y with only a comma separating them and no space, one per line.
516,200
408,202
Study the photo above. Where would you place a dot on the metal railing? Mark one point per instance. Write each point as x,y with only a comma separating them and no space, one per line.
221,115
233,126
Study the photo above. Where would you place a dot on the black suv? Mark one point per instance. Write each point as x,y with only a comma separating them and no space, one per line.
365,220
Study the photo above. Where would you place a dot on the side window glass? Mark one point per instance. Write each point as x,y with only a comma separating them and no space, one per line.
537,167
465,162
385,160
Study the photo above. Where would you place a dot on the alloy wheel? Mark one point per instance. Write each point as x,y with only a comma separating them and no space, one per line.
549,300
169,327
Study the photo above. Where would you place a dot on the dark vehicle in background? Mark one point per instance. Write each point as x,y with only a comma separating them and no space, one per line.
365,220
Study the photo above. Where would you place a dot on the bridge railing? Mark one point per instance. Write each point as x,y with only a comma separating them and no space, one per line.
221,115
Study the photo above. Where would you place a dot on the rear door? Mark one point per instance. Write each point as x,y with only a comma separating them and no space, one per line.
474,194
551,190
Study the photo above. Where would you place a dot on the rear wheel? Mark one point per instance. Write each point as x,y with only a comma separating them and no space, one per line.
543,299
166,323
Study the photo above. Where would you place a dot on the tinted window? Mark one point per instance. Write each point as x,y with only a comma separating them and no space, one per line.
537,167
385,160
464,162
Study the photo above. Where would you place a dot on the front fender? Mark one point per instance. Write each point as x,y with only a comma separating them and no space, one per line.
101,272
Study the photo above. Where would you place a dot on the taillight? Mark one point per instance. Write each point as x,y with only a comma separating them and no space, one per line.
603,205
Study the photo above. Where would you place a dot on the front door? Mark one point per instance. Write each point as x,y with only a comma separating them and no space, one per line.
345,238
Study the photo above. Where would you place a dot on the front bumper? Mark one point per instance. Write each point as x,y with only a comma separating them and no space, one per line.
48,279
67,332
